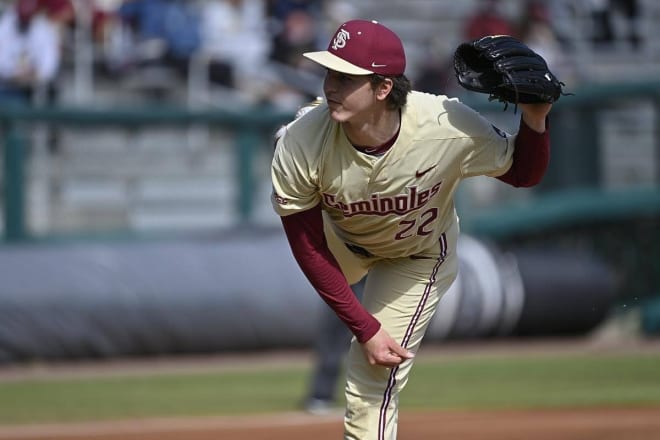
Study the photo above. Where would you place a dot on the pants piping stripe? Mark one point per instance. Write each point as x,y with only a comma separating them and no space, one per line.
387,397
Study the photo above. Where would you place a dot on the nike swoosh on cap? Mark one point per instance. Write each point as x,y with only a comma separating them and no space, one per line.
377,65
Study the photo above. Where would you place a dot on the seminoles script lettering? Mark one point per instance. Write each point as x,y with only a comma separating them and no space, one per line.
379,205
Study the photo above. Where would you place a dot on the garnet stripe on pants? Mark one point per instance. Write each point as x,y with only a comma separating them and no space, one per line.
387,396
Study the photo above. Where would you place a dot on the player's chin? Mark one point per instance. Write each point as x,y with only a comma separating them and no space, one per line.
338,114
336,118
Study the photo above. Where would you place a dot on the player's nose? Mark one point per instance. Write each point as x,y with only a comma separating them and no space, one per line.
330,82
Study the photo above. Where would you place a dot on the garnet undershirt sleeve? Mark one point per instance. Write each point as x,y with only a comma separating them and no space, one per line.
530,157
304,231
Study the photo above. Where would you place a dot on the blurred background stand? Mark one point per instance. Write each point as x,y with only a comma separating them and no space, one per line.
169,164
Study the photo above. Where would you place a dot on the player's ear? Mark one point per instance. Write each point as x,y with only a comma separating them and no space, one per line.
383,88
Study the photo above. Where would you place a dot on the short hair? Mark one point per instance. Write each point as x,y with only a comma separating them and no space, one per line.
401,86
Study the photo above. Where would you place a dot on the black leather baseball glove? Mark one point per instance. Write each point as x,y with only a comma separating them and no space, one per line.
506,69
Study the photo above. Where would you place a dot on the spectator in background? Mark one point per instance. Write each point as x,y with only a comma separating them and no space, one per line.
113,39
536,30
295,27
487,19
605,32
436,73
300,26
103,22
235,41
60,12
296,32
30,52
278,10
167,32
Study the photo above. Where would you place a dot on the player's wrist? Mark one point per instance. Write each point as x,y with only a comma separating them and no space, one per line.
368,332
535,116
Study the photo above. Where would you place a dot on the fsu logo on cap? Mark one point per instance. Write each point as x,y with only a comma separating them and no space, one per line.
373,49
340,39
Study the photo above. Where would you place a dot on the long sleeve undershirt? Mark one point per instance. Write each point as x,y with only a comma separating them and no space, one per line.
530,157
304,231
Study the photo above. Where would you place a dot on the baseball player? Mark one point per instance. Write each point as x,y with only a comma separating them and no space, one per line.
364,185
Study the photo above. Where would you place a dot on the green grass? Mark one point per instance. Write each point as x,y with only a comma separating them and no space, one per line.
485,383
158,395
544,382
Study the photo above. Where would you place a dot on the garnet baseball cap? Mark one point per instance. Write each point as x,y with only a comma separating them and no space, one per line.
363,47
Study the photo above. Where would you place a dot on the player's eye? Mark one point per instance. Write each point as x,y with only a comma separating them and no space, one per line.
340,77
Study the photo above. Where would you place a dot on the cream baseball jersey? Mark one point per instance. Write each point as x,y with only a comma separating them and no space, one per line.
370,199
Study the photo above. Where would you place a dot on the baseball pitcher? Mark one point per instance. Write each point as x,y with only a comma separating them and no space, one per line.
364,184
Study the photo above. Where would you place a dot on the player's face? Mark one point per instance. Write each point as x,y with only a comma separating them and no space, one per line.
347,95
